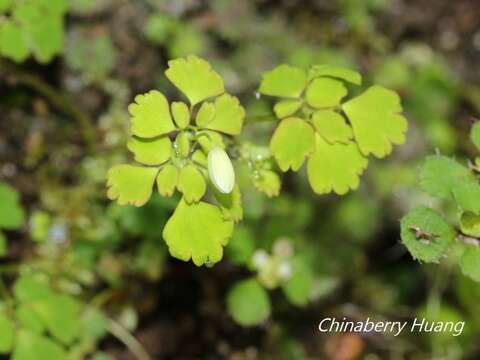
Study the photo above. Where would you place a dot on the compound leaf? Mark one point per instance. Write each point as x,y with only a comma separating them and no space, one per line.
229,115
130,184
439,175
197,231
283,81
191,183
292,141
470,262
335,72
268,182
248,303
376,120
150,115
195,78
325,93
150,151
426,234
335,167
332,126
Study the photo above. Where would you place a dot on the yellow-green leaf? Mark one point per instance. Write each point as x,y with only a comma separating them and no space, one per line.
286,108
130,184
376,119
197,231
205,114
195,78
335,167
181,114
470,262
230,203
337,72
325,93
267,182
150,151
182,144
283,81
191,183
229,115
292,141
332,126
248,303
150,115
167,180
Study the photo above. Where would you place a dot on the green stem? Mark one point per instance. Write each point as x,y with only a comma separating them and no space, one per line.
128,339
62,102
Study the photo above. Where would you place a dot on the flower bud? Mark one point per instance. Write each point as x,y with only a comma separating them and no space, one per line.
220,170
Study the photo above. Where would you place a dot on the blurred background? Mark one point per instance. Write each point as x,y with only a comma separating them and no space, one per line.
65,122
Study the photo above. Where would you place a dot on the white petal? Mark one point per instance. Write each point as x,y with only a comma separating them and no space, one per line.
220,170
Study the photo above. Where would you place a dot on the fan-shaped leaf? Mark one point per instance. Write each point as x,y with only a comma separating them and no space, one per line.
337,72
376,120
13,43
167,180
130,184
191,183
30,346
150,115
195,78
229,115
292,141
283,81
332,126
325,93
197,231
267,182
181,114
335,167
286,108
150,151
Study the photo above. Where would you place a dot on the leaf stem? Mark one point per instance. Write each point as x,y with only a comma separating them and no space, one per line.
62,102
135,347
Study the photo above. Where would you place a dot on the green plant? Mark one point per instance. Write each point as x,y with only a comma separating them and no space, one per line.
11,213
31,27
427,234
185,147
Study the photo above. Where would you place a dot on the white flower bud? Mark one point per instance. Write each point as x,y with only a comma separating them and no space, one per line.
220,170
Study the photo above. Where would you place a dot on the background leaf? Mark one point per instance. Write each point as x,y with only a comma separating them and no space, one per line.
248,303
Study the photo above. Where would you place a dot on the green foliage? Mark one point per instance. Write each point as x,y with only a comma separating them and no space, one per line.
427,235
248,303
197,231
32,27
11,213
42,322
186,147
313,125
